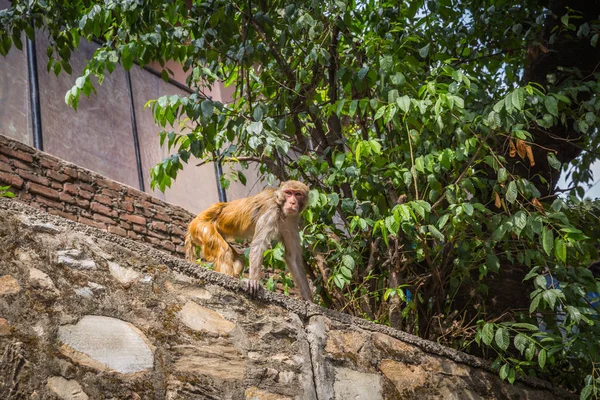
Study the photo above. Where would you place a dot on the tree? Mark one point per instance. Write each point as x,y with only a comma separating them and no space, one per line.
431,133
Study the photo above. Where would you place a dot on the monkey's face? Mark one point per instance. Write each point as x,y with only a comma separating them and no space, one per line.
294,201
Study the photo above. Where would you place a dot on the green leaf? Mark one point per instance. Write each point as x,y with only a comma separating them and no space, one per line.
338,162
468,208
207,108
353,107
487,333
502,175
380,112
553,161
504,371
517,99
424,51
502,338
511,192
560,250
435,233
362,73
492,262
542,358
551,105
404,103
548,240
348,261
520,342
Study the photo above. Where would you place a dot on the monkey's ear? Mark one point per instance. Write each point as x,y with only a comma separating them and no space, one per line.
279,197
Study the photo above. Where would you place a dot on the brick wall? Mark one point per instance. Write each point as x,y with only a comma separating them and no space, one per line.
75,193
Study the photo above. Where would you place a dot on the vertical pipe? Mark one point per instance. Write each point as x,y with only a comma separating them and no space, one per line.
134,131
34,94
219,174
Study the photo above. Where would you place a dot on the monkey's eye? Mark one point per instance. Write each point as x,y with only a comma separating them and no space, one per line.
288,193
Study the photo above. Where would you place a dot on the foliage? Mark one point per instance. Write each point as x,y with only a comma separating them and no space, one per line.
5,192
426,151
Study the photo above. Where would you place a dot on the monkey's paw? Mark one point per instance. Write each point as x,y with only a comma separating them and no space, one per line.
253,287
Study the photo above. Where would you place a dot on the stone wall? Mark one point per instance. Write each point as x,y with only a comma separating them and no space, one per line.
75,193
85,314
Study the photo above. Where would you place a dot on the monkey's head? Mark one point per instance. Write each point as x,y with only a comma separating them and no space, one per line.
292,197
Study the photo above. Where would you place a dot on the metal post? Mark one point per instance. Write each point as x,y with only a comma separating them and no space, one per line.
34,94
134,131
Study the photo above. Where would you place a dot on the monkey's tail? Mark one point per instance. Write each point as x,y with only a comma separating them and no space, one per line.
202,232
190,248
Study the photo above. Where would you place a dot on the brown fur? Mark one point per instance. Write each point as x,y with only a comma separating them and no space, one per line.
271,210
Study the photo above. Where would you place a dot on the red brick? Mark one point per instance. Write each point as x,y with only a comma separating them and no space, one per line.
23,147
43,190
146,204
48,163
67,198
141,210
34,178
106,220
177,239
127,206
157,235
117,230
16,153
21,165
152,240
85,194
126,225
110,184
162,217
12,180
49,203
26,197
159,226
132,235
111,193
103,199
70,171
85,176
91,222
4,166
102,209
62,214
55,185
85,186
82,203
168,245
177,230
70,188
57,176
139,229
136,219
180,250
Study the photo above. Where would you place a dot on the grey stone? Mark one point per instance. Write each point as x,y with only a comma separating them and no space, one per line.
106,343
84,292
39,279
200,318
126,276
73,258
356,385
66,389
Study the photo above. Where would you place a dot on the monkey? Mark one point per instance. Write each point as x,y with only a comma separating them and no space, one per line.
271,214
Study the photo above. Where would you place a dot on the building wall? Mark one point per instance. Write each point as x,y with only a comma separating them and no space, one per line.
98,136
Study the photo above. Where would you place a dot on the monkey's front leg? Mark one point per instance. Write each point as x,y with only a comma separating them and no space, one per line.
253,287
257,249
